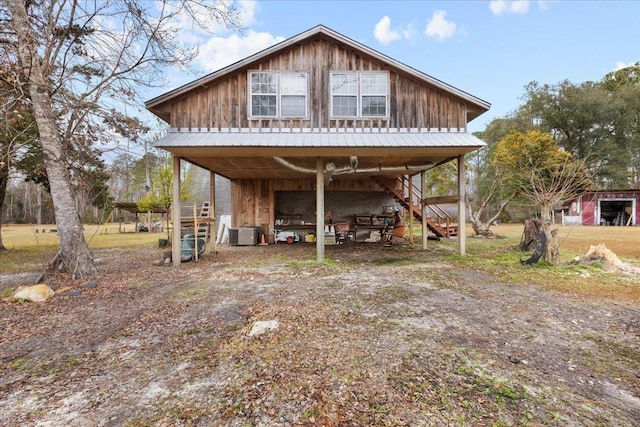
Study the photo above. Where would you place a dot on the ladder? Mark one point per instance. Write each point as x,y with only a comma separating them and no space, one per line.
205,210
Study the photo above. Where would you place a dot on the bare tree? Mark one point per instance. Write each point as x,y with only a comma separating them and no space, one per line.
536,169
483,228
80,60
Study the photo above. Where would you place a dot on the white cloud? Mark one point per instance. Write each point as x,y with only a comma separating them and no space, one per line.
501,7
409,32
385,35
383,32
218,52
439,27
620,65
196,24
248,10
521,7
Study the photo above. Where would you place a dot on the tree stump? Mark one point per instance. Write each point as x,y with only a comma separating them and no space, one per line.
532,228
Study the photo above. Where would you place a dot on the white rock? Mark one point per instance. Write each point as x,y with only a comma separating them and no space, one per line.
35,293
262,326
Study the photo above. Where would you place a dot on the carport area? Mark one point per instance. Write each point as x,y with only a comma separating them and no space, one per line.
322,160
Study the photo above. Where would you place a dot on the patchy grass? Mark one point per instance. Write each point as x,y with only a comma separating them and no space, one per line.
501,258
31,247
575,240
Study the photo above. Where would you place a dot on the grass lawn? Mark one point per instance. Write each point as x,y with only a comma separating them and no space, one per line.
575,240
32,247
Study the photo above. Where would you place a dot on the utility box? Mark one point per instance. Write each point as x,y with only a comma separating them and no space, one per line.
248,236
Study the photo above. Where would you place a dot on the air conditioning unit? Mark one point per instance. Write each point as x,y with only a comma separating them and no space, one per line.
233,237
248,236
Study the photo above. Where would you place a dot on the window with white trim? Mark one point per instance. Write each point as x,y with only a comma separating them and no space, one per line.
359,94
278,94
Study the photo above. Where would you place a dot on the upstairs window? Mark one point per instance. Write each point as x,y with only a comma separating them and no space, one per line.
278,94
264,94
359,94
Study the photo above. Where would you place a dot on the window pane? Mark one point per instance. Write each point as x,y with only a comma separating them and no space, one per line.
293,84
344,84
263,105
293,106
344,106
267,88
373,84
374,106
263,83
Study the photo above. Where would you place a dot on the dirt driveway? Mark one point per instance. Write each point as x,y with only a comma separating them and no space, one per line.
393,337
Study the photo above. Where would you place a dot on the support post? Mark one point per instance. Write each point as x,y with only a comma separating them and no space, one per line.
425,227
177,217
320,241
212,210
462,214
410,187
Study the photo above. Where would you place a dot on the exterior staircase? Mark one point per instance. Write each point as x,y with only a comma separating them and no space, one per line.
437,219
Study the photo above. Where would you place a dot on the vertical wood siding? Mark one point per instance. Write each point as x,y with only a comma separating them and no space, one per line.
253,200
412,104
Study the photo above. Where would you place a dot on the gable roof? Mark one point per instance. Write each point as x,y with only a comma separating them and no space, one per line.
319,30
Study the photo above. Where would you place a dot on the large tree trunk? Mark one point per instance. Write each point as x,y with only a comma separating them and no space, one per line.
76,256
4,179
531,239
551,231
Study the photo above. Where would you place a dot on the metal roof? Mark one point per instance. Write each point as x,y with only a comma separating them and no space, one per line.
320,139
251,153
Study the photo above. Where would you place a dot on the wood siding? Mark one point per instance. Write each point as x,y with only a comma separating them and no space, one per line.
223,103
253,200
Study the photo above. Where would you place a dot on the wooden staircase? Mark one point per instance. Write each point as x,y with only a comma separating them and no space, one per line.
438,220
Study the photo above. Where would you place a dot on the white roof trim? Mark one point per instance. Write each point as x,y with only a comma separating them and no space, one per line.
295,39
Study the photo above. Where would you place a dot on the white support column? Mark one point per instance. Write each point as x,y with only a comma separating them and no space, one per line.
320,210
462,214
177,217
425,227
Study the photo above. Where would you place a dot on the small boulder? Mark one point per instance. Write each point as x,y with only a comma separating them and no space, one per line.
262,326
35,293
89,285
72,293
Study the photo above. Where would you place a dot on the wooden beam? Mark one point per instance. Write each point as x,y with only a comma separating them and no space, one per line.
440,200
177,217
462,214
410,187
320,241
425,227
212,210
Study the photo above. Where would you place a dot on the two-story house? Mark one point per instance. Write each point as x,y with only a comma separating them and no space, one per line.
319,128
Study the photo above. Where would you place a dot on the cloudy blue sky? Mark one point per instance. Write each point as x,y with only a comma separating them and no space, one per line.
490,49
